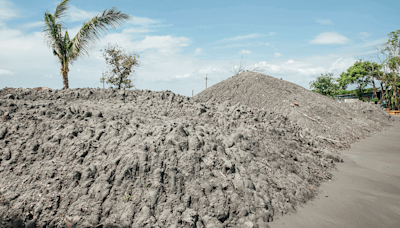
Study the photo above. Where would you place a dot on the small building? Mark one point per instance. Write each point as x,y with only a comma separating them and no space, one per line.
347,98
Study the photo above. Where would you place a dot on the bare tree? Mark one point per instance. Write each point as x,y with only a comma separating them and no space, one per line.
382,56
121,66
237,69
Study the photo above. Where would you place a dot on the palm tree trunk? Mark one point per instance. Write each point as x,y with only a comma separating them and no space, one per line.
64,71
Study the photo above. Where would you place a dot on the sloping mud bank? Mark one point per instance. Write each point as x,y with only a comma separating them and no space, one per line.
109,158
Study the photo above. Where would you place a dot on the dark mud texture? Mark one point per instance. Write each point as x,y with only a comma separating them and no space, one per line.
321,115
114,158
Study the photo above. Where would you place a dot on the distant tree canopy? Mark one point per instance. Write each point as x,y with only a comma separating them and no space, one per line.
389,56
325,85
120,64
365,73
360,74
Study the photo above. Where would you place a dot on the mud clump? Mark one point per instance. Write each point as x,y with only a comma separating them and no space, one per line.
321,115
112,158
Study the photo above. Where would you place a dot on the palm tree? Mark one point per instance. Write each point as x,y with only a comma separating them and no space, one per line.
68,50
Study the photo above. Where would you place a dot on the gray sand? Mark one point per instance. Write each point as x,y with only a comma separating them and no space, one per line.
110,158
365,192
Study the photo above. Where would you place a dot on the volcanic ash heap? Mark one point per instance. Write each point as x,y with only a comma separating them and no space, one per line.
321,115
109,158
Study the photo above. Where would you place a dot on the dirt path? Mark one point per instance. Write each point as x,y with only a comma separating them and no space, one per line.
366,192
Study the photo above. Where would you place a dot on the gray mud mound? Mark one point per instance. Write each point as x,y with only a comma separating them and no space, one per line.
109,158
321,115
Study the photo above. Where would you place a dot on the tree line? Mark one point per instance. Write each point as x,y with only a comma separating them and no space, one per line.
365,73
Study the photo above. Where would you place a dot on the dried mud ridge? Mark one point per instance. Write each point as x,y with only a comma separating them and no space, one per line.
109,158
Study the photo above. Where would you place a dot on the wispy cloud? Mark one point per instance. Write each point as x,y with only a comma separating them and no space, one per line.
6,11
164,44
375,42
180,76
277,54
245,37
144,21
235,45
363,34
290,61
323,21
245,52
197,51
137,30
77,14
6,72
237,38
212,69
330,38
33,25
313,66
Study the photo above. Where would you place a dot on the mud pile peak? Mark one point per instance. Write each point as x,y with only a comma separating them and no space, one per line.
320,114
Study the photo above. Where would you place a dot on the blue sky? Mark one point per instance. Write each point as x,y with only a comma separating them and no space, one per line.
179,42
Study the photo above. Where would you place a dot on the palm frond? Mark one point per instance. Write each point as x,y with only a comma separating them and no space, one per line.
94,28
52,34
61,9
51,30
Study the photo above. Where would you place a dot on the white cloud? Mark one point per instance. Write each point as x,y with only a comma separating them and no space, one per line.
73,31
27,58
267,44
163,44
330,38
236,45
76,14
6,72
33,24
137,30
144,21
245,37
277,54
363,34
237,38
163,66
197,51
302,71
6,11
210,70
375,42
323,21
182,76
341,64
244,52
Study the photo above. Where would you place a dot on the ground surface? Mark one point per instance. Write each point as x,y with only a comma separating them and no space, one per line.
138,158
365,192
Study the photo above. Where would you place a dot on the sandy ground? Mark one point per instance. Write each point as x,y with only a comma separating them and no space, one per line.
365,192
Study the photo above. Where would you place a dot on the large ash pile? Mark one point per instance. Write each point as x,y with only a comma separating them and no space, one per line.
321,115
109,158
